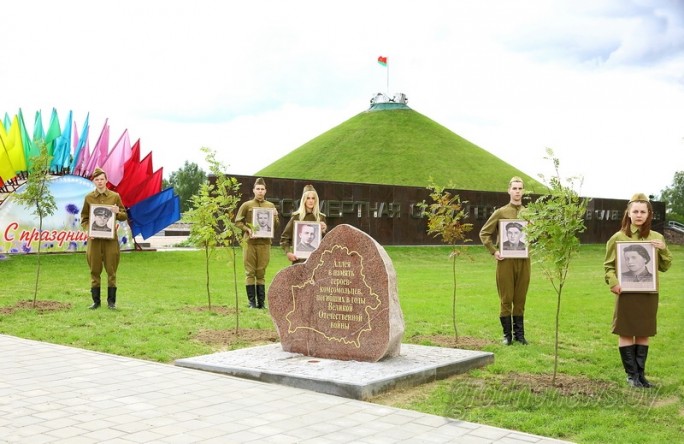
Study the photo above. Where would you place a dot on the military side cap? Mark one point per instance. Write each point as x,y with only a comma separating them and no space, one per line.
639,197
98,171
101,211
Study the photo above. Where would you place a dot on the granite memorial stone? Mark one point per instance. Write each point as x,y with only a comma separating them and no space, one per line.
341,303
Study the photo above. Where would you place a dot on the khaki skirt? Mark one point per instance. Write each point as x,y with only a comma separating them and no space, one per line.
635,314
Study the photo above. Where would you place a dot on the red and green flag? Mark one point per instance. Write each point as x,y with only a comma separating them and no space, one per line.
382,61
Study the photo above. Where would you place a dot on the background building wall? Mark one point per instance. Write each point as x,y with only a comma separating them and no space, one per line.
390,213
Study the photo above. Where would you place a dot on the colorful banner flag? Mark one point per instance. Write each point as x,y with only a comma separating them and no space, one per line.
61,154
151,215
38,131
6,169
382,61
79,154
120,153
30,149
14,146
53,132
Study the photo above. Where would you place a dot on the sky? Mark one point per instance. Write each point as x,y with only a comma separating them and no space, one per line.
601,82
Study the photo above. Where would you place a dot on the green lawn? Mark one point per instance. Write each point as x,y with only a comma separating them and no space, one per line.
158,320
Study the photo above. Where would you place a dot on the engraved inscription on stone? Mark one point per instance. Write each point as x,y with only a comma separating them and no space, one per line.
341,303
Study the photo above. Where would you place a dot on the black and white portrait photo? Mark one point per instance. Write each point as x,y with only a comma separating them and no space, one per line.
101,222
512,238
307,238
636,266
262,221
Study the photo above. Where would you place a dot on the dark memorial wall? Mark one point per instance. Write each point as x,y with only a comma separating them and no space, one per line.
391,216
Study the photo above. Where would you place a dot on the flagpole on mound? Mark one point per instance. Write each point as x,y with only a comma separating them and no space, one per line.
383,62
387,80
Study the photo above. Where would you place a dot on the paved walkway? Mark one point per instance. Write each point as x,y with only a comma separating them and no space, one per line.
56,394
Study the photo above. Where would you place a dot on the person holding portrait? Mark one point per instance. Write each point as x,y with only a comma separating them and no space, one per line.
102,251
257,250
308,211
512,274
635,313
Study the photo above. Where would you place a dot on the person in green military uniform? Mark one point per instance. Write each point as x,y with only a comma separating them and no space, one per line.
635,313
512,274
257,250
308,211
102,251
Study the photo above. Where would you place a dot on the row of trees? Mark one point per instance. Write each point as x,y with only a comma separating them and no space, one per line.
555,221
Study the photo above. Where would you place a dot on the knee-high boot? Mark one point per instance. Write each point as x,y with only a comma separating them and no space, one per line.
261,296
111,297
630,365
640,355
507,333
95,294
251,295
519,329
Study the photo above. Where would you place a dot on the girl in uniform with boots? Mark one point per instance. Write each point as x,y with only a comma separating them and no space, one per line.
634,318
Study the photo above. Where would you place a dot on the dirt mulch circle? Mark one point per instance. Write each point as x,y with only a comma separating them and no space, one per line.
40,306
218,309
252,337
565,385
449,341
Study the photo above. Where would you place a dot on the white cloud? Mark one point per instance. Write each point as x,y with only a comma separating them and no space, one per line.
600,82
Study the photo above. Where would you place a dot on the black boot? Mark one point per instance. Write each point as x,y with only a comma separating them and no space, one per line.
519,329
640,355
251,295
95,293
630,365
507,325
111,297
261,296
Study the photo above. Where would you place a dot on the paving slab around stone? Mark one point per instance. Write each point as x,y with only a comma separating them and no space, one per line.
416,364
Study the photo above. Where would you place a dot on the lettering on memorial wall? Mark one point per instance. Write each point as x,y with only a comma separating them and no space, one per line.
392,215
393,210
343,302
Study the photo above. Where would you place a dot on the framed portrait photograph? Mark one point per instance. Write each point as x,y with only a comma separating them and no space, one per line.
307,237
262,221
102,222
512,242
637,266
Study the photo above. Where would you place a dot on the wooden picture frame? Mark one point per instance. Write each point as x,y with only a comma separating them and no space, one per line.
262,222
512,242
102,222
636,266
307,237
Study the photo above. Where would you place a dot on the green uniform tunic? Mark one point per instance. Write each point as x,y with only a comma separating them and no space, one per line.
99,251
287,235
257,251
512,274
635,314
